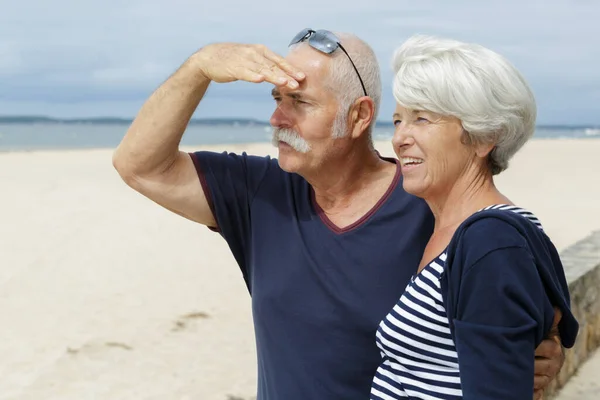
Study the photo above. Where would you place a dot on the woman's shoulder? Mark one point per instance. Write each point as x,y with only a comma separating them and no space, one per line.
511,210
497,227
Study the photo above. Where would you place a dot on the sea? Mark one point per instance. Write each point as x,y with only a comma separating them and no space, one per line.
57,136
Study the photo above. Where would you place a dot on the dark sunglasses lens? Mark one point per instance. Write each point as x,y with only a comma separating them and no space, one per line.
324,41
300,36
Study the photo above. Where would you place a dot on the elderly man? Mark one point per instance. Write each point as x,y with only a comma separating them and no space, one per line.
325,236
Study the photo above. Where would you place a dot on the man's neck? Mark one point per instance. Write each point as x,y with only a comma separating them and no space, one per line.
345,183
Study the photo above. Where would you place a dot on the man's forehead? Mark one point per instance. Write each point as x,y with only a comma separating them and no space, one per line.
308,60
313,66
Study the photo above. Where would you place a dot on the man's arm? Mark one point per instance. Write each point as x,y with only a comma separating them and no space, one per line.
148,158
549,359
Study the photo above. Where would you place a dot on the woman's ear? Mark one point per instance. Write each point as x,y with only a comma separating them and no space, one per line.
483,149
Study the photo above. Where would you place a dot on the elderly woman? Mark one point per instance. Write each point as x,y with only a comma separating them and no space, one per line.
483,296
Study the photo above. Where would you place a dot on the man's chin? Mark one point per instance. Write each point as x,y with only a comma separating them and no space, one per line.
289,159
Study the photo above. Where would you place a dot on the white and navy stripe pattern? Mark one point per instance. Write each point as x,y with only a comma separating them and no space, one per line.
419,355
518,210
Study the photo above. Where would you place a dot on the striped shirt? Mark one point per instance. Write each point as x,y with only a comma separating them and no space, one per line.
417,349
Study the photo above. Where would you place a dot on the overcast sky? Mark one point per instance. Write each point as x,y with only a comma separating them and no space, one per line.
82,58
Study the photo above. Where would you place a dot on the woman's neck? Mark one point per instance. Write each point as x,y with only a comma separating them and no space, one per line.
465,197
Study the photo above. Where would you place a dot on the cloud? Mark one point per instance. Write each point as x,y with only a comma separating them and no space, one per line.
103,55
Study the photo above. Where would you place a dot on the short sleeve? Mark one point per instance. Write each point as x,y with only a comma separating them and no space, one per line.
230,182
503,313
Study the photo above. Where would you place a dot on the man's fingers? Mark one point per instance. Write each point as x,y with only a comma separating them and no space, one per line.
282,64
548,361
538,395
227,62
257,73
540,382
549,348
557,316
554,334
546,367
252,63
275,75
250,75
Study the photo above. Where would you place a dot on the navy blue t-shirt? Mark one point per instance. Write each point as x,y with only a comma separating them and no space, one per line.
318,292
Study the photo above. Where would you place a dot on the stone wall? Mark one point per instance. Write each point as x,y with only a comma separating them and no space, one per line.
582,269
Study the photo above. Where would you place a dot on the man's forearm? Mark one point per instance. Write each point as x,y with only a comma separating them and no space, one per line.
151,143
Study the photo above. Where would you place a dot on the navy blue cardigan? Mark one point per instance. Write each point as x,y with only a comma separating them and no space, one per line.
502,278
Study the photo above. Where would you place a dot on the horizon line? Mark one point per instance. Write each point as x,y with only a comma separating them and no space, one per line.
25,118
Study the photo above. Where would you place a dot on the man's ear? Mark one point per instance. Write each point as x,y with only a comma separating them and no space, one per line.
361,116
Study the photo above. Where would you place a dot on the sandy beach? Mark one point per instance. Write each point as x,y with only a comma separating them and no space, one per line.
105,295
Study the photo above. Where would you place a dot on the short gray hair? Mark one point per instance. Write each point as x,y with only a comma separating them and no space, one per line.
472,83
344,82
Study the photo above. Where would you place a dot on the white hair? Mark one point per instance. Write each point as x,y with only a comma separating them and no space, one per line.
344,82
290,137
472,83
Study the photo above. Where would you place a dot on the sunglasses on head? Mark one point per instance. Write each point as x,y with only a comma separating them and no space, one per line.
325,42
